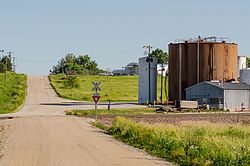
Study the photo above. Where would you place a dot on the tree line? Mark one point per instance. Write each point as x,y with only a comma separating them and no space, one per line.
73,65
5,63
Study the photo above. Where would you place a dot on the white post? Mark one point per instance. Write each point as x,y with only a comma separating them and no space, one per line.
96,111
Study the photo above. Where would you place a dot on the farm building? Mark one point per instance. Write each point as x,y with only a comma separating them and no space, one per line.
203,59
165,69
117,72
245,76
221,95
131,69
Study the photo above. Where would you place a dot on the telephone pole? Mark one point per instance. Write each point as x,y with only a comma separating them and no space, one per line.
6,64
149,60
14,63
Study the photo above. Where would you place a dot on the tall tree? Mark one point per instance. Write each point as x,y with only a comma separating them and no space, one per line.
160,55
248,61
5,61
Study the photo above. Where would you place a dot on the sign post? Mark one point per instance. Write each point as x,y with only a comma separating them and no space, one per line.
96,96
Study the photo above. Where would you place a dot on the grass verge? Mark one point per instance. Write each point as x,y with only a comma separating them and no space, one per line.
114,88
12,92
127,111
193,143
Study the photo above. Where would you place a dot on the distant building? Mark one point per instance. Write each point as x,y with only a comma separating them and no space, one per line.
218,95
245,76
117,72
130,69
242,63
165,69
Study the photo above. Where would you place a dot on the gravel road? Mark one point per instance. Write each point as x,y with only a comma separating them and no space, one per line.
41,135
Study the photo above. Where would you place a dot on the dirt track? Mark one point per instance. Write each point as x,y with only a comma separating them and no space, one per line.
230,118
41,135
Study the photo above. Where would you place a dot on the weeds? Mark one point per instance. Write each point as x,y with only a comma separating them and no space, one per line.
133,111
188,144
12,92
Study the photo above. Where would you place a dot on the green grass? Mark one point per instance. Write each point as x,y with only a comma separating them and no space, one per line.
115,88
12,92
192,143
131,111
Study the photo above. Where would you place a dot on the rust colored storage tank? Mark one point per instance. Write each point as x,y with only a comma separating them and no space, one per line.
192,62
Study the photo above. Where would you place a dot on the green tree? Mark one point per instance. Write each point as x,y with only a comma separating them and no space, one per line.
248,61
5,60
71,65
89,66
71,82
160,55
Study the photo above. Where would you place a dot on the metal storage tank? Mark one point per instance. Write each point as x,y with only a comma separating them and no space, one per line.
197,60
245,76
242,63
144,90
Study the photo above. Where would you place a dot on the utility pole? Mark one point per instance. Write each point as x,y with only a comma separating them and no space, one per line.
149,60
62,64
14,64
162,69
2,50
6,64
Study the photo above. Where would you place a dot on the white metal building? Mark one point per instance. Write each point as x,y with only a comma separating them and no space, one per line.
147,85
245,76
242,63
165,69
218,95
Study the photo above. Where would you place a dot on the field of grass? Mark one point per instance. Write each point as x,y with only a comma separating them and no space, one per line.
127,111
12,92
115,88
190,143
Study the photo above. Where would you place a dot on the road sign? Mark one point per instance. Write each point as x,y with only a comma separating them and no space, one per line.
96,97
96,88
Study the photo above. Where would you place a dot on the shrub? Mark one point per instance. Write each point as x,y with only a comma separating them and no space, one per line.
188,144
71,82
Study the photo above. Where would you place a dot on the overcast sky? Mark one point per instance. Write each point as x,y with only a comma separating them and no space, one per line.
113,32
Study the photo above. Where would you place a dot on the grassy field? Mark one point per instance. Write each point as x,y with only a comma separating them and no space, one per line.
127,111
12,92
190,143
115,88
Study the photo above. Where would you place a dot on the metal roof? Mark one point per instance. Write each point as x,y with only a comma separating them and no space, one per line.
226,85
230,85
132,64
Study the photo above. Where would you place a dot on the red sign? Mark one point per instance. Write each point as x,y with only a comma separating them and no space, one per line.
96,98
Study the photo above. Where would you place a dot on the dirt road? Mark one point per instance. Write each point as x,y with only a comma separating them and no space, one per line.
41,135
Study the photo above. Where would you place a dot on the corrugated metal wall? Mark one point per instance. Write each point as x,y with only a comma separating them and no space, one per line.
204,91
143,92
234,98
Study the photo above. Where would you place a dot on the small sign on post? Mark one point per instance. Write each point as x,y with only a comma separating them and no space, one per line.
96,96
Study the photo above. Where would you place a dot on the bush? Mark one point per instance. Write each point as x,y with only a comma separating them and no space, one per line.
71,82
12,92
